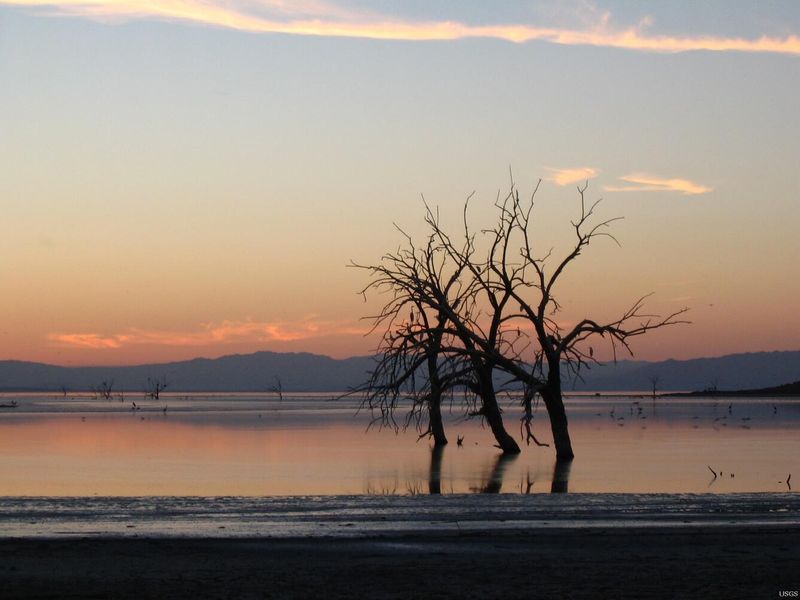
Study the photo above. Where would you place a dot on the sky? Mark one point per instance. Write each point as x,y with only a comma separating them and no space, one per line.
187,178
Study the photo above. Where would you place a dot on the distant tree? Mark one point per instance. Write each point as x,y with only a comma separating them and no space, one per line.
277,388
481,308
713,388
155,386
104,390
654,379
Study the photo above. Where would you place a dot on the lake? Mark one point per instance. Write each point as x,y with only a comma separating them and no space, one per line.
308,445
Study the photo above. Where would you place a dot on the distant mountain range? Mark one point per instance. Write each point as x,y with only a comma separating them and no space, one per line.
314,373
235,373
731,372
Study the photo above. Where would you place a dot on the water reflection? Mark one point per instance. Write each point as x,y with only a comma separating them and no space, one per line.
238,446
435,479
560,484
494,483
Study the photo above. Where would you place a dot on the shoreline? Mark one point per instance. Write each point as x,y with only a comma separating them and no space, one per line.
459,547
362,516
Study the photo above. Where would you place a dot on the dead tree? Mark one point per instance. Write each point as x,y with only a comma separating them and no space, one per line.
530,277
443,345
654,380
277,389
105,390
417,362
155,385
485,306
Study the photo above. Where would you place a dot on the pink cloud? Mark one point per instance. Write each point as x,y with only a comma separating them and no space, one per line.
320,18
226,332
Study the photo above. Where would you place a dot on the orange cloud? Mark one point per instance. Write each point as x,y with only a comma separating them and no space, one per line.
88,340
567,176
327,19
650,183
223,333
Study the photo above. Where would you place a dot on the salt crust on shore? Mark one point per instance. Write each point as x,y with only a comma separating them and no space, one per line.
369,516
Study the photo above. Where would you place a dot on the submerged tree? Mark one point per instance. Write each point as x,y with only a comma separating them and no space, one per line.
105,390
155,386
654,381
481,309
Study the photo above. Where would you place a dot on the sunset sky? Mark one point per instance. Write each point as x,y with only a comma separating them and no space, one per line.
187,178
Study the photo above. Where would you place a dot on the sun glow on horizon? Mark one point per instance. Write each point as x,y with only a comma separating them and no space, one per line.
184,178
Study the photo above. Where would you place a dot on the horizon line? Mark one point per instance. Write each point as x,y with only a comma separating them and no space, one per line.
355,356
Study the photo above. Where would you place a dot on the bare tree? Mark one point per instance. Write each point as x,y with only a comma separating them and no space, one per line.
155,386
479,314
441,346
654,380
105,390
277,389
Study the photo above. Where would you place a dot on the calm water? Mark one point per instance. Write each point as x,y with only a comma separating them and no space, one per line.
246,445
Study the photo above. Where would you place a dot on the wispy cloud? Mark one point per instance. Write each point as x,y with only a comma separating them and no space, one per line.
321,18
87,340
572,175
226,332
640,182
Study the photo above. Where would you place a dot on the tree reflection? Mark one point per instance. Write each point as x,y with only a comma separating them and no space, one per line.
560,484
491,483
435,478
494,483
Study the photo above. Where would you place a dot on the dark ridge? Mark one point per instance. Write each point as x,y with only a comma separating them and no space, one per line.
787,389
304,372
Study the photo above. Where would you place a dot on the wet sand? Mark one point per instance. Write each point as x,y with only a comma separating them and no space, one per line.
690,561
463,546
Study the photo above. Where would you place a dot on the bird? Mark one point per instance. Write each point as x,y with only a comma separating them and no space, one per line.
460,441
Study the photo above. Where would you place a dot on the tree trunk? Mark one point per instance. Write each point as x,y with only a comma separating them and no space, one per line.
554,402
435,418
491,412
435,398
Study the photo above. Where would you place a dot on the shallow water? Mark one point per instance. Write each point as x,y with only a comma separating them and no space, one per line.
249,445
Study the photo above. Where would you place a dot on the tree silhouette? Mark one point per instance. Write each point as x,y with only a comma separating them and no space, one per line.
654,381
155,386
105,390
465,312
